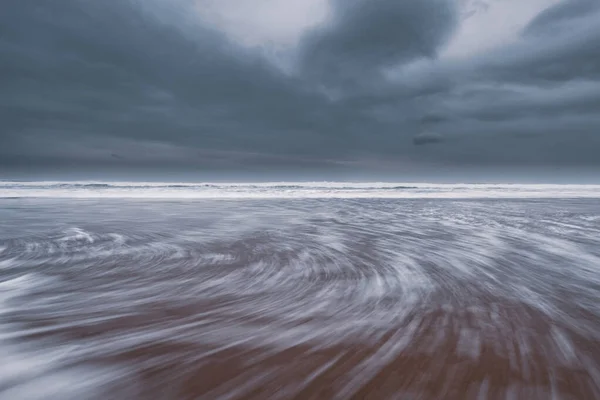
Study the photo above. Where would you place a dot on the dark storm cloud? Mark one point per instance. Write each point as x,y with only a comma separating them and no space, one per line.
365,36
74,71
561,16
561,44
533,102
427,138
124,84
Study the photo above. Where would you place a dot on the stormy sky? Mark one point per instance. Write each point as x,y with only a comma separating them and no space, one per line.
364,89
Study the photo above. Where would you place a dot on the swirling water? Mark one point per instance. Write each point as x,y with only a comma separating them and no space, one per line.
300,298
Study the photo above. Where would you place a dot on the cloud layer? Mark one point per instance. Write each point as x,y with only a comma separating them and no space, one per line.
123,85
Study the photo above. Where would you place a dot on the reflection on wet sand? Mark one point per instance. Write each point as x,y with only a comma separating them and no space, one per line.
311,299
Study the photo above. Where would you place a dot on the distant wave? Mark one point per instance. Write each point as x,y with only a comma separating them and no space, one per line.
91,189
82,185
271,185
15,185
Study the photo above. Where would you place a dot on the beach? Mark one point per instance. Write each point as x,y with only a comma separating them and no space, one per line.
310,298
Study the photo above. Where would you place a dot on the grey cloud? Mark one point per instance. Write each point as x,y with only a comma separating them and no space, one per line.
427,138
115,69
560,16
365,36
120,84
553,74
561,44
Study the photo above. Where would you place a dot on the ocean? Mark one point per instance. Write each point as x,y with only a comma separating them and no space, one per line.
299,291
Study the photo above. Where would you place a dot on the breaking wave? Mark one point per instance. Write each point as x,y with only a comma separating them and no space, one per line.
290,190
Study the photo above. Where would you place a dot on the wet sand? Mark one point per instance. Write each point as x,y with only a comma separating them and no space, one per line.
301,300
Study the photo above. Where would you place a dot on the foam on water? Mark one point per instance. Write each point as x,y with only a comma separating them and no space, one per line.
453,299
26,373
289,190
